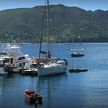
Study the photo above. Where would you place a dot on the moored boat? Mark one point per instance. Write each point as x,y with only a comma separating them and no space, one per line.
77,53
17,58
51,66
51,69
32,96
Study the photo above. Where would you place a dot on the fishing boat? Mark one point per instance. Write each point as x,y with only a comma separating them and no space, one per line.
32,96
50,66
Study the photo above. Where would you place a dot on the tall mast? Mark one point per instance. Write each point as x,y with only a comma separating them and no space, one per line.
41,35
48,28
40,46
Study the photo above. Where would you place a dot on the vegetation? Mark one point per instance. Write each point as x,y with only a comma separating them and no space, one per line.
25,24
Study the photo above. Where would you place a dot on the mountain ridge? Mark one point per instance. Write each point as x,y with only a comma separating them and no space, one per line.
24,24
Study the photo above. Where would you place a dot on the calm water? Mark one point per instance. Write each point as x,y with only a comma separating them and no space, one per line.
71,90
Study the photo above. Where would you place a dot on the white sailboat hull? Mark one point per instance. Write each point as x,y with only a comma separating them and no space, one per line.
51,70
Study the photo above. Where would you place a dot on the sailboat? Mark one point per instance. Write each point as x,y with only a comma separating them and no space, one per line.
50,66
77,52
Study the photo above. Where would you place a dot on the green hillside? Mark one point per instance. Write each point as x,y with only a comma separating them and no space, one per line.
67,23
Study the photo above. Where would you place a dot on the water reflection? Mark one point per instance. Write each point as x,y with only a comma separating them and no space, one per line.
74,90
50,87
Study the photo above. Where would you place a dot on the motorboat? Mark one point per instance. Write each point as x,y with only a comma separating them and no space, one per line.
18,59
32,96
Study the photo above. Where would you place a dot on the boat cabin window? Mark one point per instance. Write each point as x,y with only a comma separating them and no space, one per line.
20,58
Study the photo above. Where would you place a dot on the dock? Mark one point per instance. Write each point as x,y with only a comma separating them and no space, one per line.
79,69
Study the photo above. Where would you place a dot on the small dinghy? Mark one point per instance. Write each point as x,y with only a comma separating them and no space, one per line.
78,70
32,96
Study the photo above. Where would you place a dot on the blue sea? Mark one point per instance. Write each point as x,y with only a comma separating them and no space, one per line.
71,90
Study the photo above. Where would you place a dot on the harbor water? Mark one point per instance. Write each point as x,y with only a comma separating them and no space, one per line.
71,90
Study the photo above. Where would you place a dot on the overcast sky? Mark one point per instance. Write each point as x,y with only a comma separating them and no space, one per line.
85,4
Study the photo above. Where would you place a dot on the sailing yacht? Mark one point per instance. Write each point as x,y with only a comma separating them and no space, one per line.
50,66
77,52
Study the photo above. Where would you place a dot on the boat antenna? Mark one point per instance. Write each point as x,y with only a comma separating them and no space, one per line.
47,30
